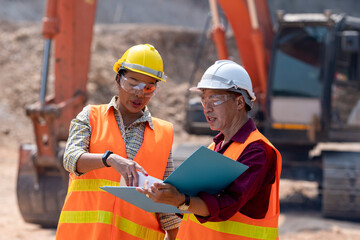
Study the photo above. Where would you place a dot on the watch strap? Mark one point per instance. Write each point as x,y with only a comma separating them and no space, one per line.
187,200
105,157
185,204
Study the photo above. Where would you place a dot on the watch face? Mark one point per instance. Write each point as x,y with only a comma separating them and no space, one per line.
183,207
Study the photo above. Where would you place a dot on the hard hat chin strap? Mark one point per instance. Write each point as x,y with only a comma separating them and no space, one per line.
245,94
151,71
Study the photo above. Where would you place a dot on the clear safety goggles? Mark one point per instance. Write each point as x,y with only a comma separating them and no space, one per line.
139,88
215,100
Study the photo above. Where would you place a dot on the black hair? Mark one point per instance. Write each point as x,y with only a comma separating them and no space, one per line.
119,74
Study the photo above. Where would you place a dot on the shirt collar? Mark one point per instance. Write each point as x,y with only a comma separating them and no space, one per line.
241,135
146,117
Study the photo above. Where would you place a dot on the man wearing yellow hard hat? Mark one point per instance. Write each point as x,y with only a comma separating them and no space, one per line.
113,141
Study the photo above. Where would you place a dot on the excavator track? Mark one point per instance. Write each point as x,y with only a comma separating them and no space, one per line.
341,185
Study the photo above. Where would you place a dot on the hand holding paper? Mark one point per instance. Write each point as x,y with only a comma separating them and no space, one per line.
205,170
161,192
142,179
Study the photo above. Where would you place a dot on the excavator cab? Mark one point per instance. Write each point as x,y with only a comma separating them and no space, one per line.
314,76
311,111
295,80
314,61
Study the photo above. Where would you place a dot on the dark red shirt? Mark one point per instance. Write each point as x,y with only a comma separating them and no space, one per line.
250,192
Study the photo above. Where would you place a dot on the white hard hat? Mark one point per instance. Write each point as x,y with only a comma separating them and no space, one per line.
227,75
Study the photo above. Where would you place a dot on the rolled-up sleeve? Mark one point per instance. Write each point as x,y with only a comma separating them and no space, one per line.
78,141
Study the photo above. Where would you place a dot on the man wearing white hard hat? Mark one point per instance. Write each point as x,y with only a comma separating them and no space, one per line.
249,207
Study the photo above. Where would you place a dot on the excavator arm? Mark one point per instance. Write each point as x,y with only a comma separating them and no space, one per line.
253,36
42,181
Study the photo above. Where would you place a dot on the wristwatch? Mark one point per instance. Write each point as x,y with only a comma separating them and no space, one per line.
105,157
185,206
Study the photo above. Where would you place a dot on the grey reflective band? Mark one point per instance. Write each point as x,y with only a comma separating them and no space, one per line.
228,82
151,71
219,79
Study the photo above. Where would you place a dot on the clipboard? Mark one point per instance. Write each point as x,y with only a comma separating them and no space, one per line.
205,170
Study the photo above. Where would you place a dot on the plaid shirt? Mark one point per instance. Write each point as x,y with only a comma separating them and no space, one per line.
79,140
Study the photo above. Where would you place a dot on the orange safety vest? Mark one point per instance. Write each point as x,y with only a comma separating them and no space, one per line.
91,213
238,226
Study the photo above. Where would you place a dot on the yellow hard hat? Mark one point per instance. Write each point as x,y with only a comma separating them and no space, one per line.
142,58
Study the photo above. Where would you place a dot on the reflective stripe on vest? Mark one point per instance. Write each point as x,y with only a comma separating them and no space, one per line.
86,217
137,230
91,213
90,184
106,218
239,226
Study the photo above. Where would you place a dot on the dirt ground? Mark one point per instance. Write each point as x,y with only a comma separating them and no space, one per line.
296,223
20,68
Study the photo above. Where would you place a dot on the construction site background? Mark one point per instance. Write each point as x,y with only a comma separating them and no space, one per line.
175,28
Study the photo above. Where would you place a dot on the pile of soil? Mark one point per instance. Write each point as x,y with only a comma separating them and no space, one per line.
21,65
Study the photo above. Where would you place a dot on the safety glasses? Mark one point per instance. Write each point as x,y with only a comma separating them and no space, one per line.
215,100
139,88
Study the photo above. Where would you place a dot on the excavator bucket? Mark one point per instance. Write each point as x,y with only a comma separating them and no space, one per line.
40,191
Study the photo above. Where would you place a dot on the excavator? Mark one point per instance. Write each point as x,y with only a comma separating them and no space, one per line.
305,71
305,74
